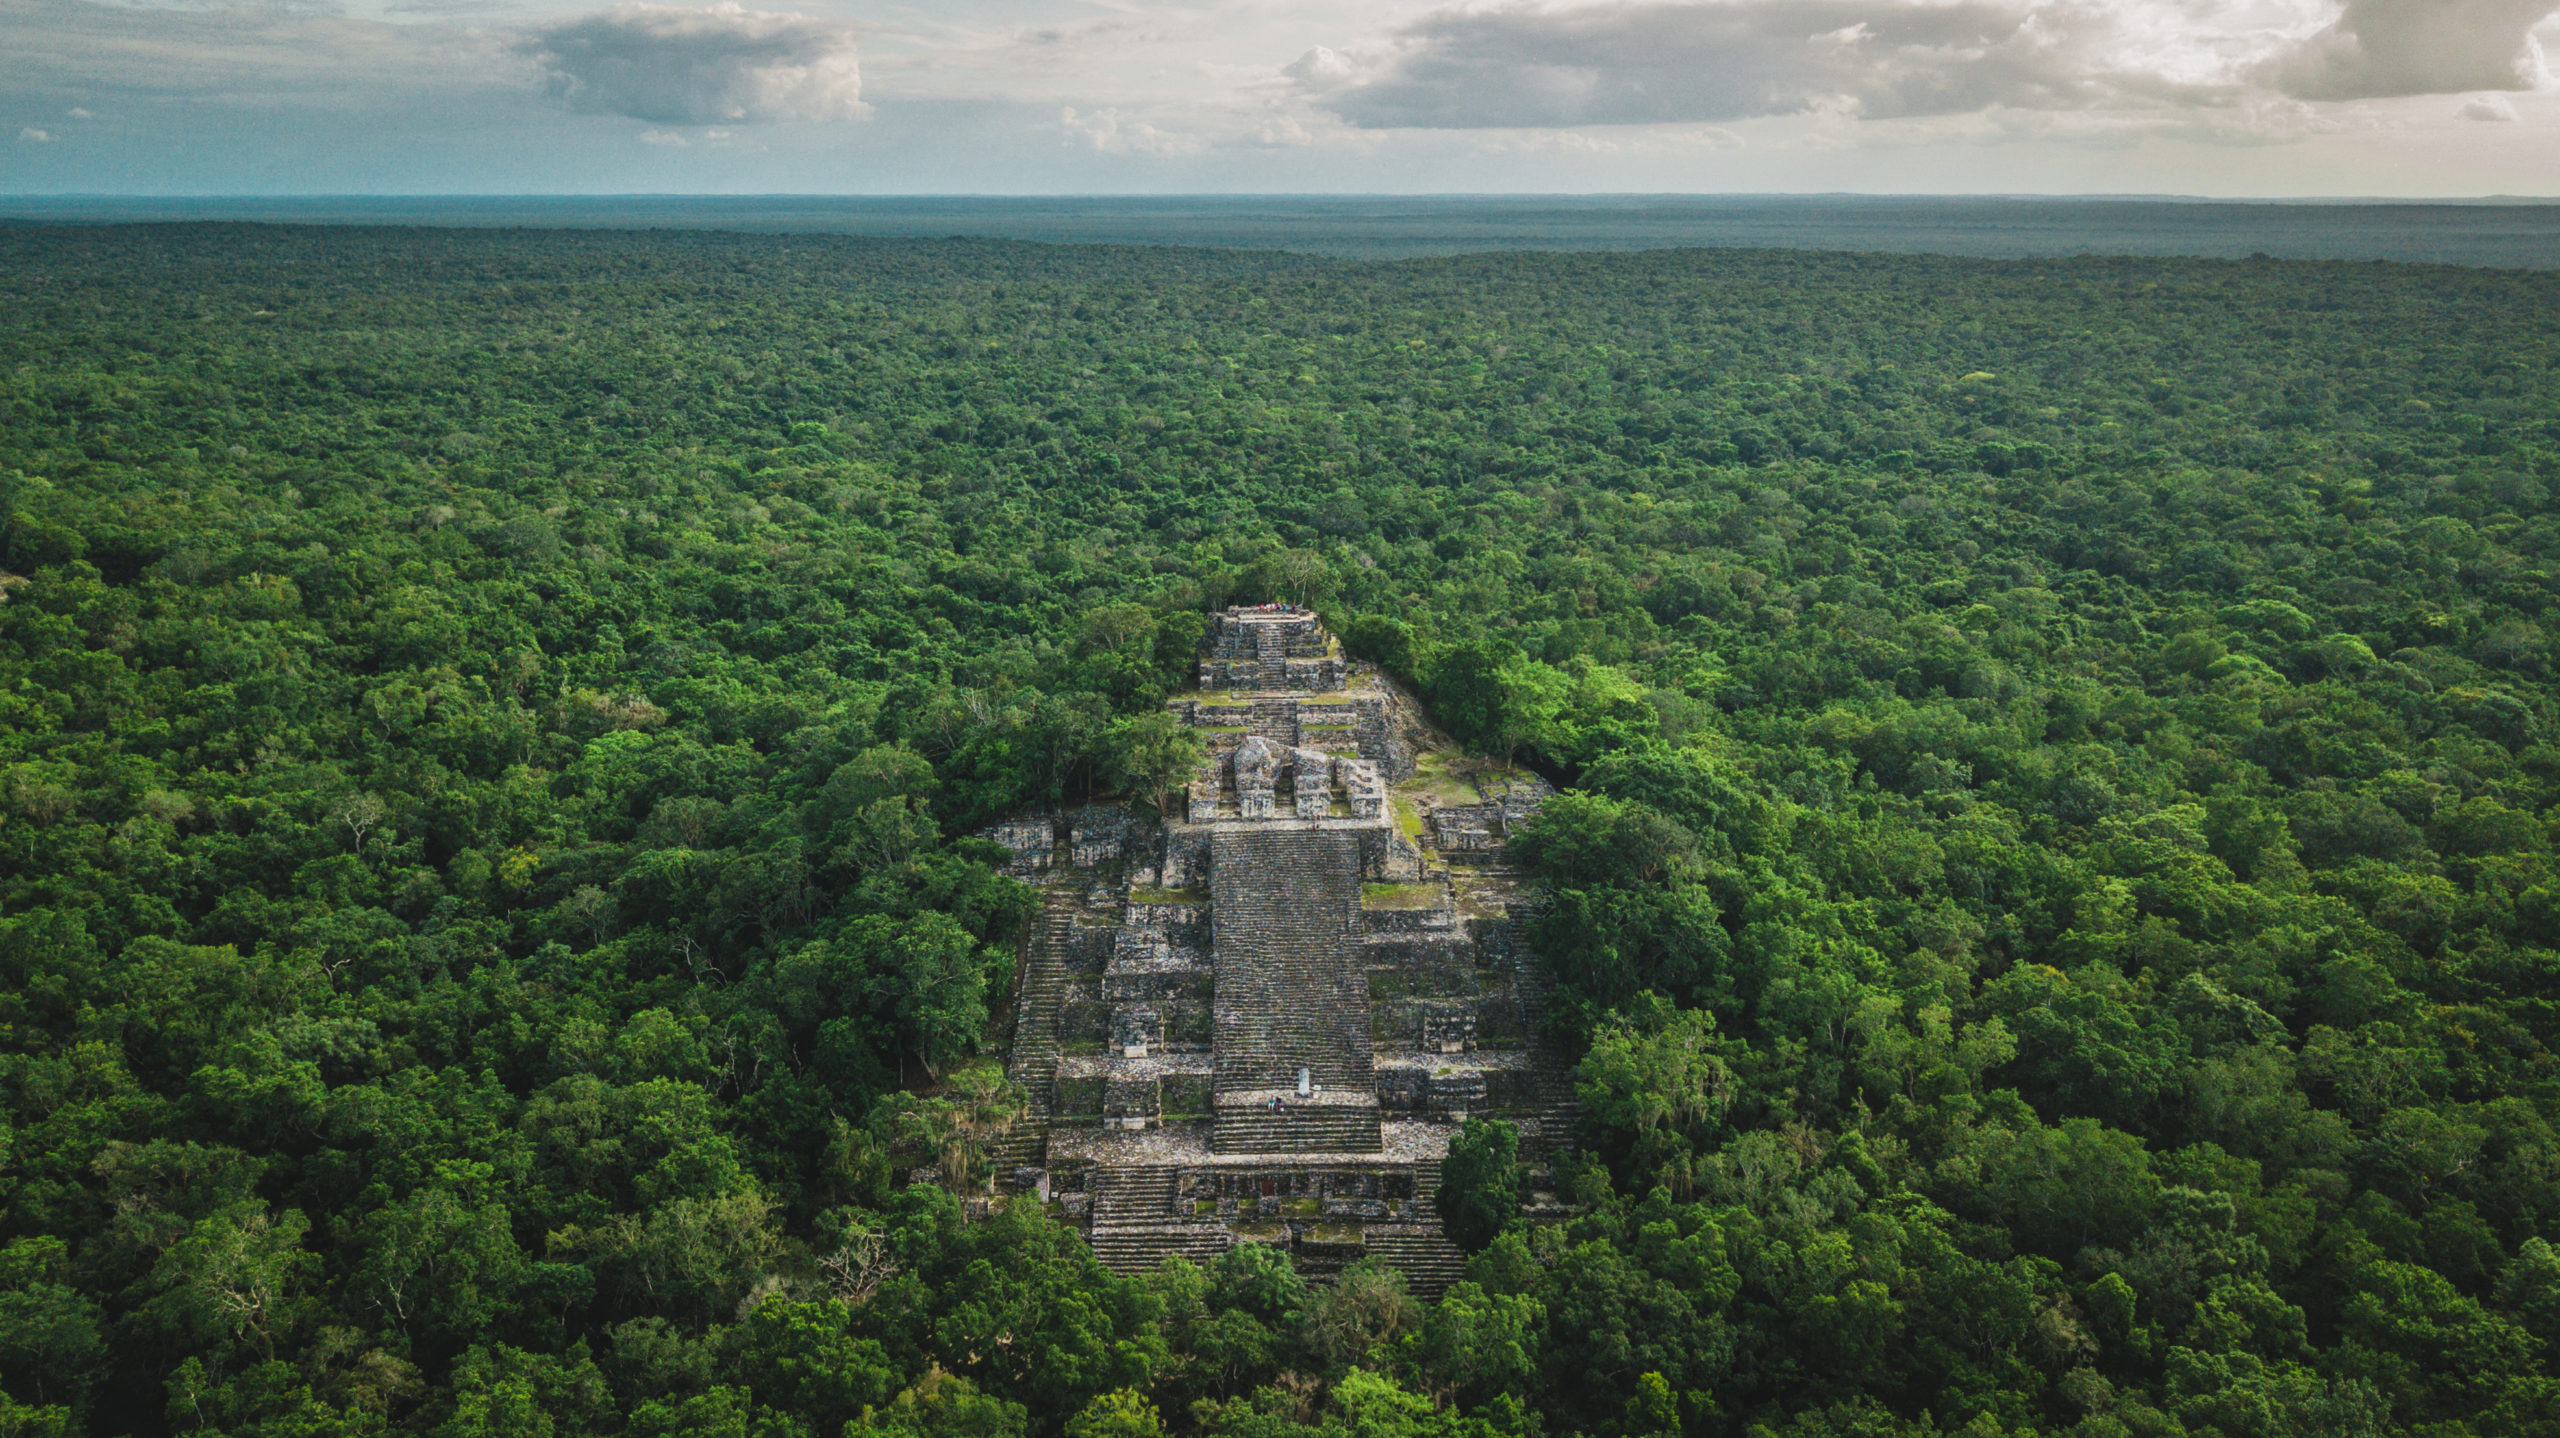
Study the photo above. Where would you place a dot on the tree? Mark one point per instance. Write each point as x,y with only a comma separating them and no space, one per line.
1259,1280
1653,1089
1120,1413
1383,640
925,975
803,1360
1367,1306
954,1127
1478,1346
1496,698
50,1345
237,1275
442,1262
1153,754
1479,1183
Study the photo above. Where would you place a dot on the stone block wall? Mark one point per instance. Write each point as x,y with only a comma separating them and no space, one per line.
1089,948
1186,859
1100,834
1136,1030
1409,921
1084,1016
1466,828
1448,1031
1034,843
1361,786
1387,857
1132,1102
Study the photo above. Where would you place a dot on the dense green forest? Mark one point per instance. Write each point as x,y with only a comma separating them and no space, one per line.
2055,893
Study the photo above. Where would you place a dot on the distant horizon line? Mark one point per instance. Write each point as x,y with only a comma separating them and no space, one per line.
2104,196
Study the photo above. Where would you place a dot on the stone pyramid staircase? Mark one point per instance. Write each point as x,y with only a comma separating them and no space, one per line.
1297,1128
1429,1262
1291,989
1271,656
1548,1131
1276,720
1136,1225
1134,1251
1129,1195
1033,1064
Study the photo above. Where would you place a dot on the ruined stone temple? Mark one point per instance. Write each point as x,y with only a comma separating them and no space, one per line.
1262,1020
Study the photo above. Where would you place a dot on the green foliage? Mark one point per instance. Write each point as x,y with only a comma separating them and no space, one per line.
2055,910
1120,1413
1154,754
1479,1183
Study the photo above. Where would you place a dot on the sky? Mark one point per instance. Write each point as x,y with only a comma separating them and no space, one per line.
2236,98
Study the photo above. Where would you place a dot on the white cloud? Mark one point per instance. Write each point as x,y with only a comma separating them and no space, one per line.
76,113
2379,48
1104,130
689,67
33,136
2487,107
664,137
1322,66
1668,61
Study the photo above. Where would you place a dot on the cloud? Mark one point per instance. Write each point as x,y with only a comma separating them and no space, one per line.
252,59
1683,61
689,67
2381,48
1322,66
76,113
1105,131
1663,63
2487,107
33,136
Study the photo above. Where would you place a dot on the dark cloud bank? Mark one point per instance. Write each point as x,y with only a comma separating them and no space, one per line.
719,66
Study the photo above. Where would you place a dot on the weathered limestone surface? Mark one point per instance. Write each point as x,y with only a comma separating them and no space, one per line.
1271,649
1186,976
1292,994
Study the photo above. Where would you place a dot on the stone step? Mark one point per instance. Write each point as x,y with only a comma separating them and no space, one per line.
1328,1128
1291,990
1033,1065
1138,1248
1125,1194
1426,1181
1549,1131
1428,1261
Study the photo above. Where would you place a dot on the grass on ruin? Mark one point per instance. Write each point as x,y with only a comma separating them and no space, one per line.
1408,821
1402,896
1168,896
1446,777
